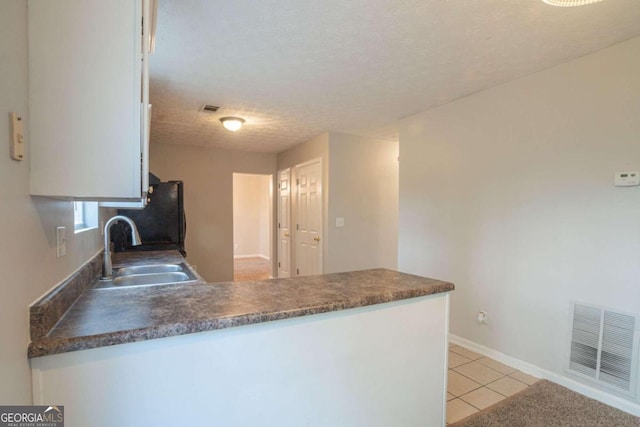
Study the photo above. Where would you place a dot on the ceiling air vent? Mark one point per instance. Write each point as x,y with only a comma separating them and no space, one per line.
604,347
210,108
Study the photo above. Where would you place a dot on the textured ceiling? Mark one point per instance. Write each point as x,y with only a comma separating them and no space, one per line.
294,69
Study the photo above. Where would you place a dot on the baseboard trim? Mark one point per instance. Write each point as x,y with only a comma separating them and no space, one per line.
252,256
538,372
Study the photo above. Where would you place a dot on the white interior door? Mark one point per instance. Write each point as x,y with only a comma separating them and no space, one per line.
309,219
284,223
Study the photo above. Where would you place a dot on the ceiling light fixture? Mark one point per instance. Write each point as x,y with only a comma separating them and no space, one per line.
570,3
232,123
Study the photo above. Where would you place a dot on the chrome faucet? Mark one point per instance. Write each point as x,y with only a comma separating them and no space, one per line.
107,267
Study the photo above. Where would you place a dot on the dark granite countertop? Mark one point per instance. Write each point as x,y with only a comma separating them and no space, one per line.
103,317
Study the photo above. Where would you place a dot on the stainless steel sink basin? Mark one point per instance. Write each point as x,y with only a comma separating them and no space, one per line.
149,269
151,279
149,275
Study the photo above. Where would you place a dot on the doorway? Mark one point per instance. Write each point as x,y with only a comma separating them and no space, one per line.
300,220
252,226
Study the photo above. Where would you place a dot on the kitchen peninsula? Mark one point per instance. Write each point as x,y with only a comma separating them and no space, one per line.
357,348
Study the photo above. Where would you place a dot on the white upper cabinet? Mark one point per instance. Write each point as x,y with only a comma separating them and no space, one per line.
89,98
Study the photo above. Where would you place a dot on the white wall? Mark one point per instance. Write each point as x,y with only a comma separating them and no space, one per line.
27,224
267,215
208,198
252,215
363,182
509,194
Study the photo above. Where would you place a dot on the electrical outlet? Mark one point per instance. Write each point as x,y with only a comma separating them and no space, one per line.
482,318
61,241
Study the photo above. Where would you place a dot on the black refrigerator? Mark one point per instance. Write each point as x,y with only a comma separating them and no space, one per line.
162,223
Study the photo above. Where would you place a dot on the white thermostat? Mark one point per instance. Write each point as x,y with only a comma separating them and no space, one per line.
627,179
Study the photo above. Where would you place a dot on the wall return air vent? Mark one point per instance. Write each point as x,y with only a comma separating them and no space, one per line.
604,348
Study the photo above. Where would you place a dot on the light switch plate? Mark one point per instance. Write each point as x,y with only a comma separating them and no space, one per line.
17,137
339,222
61,240
627,179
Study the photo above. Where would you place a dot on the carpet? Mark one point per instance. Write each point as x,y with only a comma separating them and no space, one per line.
546,404
251,269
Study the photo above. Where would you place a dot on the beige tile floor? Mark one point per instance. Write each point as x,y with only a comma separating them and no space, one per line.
477,382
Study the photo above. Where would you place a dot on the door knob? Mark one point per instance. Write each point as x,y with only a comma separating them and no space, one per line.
286,234
317,239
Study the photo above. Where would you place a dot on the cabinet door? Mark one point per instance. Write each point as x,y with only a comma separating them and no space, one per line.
85,68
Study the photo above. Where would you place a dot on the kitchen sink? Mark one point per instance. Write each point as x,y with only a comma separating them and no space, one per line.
151,279
148,275
149,269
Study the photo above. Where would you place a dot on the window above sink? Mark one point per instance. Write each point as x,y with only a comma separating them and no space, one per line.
85,216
